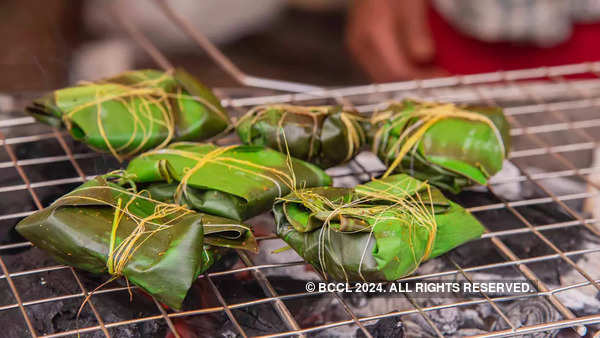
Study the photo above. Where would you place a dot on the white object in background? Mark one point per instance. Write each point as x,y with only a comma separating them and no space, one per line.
7,103
582,298
101,59
220,20
504,182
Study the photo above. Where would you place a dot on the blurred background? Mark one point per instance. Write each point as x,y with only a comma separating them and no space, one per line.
52,43
48,44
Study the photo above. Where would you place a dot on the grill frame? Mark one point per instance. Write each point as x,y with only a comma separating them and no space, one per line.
477,85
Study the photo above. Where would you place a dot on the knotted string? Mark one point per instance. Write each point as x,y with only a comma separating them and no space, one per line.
401,206
355,135
426,114
151,95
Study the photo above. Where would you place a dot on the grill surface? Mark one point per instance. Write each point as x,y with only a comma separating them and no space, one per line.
555,127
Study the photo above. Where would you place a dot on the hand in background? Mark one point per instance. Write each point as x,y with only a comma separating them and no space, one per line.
391,40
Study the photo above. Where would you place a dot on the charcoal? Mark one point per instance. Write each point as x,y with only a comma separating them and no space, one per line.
12,324
386,327
8,235
523,245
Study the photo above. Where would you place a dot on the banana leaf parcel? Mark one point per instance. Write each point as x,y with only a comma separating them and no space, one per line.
134,111
237,181
378,231
102,227
323,135
450,146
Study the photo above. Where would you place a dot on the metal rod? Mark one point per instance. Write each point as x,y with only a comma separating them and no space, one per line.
226,308
315,328
140,38
15,294
279,306
416,277
524,269
223,61
569,210
39,206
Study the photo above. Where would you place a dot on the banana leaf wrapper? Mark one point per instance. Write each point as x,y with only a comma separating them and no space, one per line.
101,227
449,146
379,231
323,135
236,182
134,111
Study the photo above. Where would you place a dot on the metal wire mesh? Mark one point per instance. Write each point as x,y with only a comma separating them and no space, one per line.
555,122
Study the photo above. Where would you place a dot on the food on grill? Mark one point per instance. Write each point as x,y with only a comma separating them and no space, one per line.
236,181
134,111
104,226
323,135
378,231
449,146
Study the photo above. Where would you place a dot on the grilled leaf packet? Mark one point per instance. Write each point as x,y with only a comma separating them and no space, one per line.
103,227
378,231
323,135
134,111
449,146
235,181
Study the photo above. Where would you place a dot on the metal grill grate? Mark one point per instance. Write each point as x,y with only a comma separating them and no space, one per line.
555,122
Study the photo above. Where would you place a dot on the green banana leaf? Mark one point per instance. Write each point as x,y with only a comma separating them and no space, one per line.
324,135
449,146
134,111
237,181
378,231
93,228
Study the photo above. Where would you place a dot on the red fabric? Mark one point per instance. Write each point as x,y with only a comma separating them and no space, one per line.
460,54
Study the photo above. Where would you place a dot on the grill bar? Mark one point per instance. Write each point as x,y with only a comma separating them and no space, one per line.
590,319
416,277
280,307
573,213
488,87
527,273
250,303
563,105
39,206
15,293
226,308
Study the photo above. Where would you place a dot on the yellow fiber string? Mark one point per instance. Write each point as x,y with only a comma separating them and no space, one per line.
153,99
113,237
102,132
428,115
410,142
354,134
218,156
407,209
199,164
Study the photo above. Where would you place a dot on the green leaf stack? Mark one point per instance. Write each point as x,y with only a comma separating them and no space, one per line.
104,227
236,181
449,146
323,135
134,111
378,231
